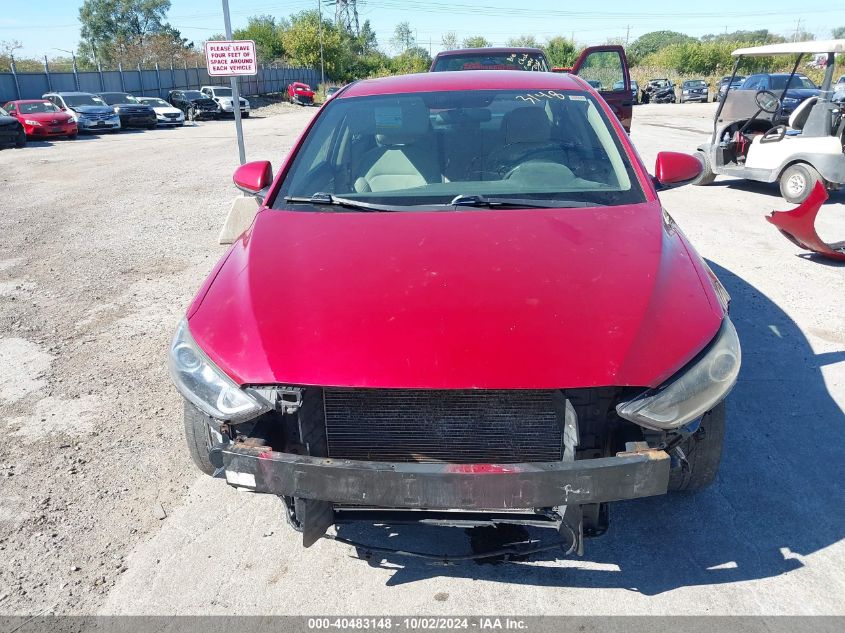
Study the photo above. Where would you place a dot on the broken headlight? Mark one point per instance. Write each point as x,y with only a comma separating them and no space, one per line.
202,383
699,387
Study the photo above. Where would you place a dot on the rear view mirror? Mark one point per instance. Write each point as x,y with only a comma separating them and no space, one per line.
253,177
673,169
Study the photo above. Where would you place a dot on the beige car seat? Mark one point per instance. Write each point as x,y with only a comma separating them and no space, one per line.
404,156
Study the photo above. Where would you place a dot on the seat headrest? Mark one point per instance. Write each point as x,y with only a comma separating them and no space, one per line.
402,123
527,125
799,116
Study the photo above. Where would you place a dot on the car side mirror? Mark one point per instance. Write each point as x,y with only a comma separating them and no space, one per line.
673,169
254,177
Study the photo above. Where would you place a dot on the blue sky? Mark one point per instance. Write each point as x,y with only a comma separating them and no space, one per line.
45,25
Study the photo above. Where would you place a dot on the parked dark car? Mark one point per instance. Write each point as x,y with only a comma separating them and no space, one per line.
800,87
723,86
11,130
132,112
694,90
506,58
187,100
659,91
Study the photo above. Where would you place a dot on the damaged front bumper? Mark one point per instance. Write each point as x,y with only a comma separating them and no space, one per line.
640,472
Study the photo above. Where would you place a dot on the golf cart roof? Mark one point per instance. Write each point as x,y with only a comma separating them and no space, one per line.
814,46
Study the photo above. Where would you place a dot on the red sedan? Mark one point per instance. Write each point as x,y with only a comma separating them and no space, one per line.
300,93
462,301
41,118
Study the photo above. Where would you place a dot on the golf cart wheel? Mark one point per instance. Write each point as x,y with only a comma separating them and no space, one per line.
706,177
20,141
797,181
199,439
703,451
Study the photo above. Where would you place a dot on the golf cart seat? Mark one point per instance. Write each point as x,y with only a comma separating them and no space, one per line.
799,117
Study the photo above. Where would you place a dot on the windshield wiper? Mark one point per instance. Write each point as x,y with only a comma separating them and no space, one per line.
327,199
516,203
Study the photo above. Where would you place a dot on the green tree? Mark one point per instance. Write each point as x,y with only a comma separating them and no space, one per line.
413,60
528,41
301,43
403,38
838,33
477,41
561,51
760,36
653,42
267,35
449,40
111,26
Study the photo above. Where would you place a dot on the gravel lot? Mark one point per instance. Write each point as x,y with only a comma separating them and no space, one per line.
105,241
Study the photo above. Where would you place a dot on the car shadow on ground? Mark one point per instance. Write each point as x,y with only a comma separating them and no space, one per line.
770,189
777,498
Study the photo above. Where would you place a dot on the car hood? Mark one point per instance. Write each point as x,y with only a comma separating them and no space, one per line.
801,93
89,109
204,101
166,110
46,117
527,299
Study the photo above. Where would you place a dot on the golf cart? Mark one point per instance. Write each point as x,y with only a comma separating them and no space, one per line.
746,143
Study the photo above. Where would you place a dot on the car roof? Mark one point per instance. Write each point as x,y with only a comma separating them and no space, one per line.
26,101
460,81
71,93
490,50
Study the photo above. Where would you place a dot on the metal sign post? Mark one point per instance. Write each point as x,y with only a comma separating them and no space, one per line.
236,93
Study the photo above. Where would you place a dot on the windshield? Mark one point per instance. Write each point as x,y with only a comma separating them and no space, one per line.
115,98
222,92
778,82
41,106
83,100
492,61
156,103
695,84
427,148
194,94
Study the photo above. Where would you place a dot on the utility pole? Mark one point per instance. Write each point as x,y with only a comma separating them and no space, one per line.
797,29
236,93
320,28
627,35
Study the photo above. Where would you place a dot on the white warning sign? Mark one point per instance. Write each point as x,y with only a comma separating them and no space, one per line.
231,58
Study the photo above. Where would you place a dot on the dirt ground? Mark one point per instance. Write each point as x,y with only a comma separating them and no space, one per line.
104,241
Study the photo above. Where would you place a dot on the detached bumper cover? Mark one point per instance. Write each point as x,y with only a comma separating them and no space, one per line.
798,225
448,486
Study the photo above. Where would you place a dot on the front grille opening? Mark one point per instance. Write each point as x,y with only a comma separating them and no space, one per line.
456,426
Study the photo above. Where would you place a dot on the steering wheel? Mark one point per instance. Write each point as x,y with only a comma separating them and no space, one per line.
767,101
531,157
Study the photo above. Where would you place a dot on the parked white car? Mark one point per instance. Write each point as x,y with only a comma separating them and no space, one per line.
223,97
166,114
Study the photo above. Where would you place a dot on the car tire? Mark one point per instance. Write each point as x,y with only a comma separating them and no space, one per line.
20,141
703,451
72,137
245,115
706,177
797,181
198,437
153,126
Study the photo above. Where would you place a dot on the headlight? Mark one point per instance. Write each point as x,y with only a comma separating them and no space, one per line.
79,117
30,122
686,92
694,391
202,383
789,100
114,116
